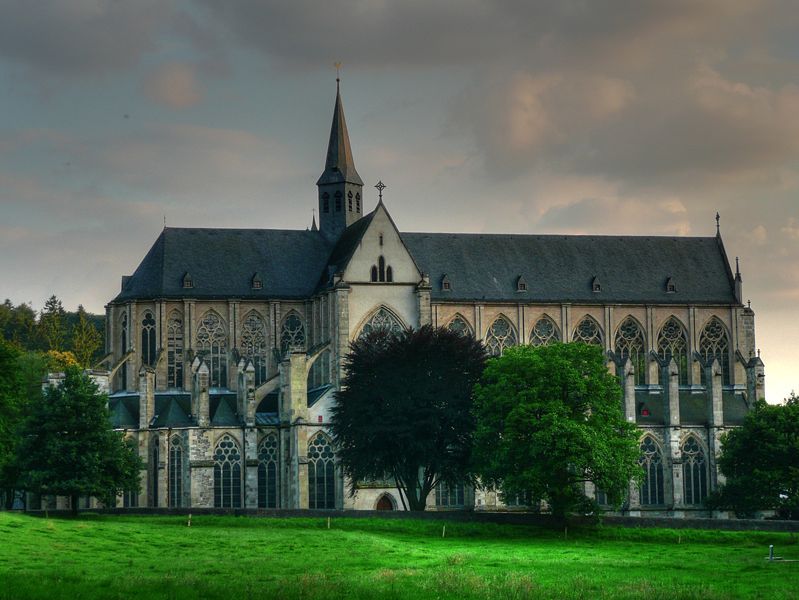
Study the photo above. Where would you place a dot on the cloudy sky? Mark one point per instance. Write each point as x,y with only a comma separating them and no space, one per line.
507,116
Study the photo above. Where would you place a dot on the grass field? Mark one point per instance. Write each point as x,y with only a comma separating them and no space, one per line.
238,557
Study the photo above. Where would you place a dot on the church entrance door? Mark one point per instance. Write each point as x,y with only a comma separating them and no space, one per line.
385,503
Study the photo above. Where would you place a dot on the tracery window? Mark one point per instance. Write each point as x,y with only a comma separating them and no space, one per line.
544,332
212,346
382,320
253,345
459,325
174,350
292,334
500,335
176,472
123,338
321,481
227,474
630,344
694,472
652,463
713,343
588,332
673,343
449,495
267,472
148,339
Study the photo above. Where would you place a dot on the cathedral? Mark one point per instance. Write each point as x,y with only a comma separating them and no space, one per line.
226,346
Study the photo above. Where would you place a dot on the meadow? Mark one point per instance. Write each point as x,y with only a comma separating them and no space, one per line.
104,556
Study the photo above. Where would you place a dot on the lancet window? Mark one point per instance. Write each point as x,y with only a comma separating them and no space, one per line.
227,474
588,332
212,346
177,472
268,472
713,343
321,469
459,325
500,335
253,345
544,332
381,272
174,350
673,343
292,334
694,472
630,344
652,462
382,320
148,339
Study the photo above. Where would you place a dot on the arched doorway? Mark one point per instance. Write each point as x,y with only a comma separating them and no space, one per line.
385,502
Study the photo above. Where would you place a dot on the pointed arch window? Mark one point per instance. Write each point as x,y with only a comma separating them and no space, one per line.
148,339
500,335
694,472
267,472
381,269
123,339
152,496
588,332
321,480
174,350
227,474
177,472
292,334
652,462
382,320
374,273
253,345
212,346
338,201
389,274
673,343
713,343
326,202
544,332
349,201
630,344
358,202
459,325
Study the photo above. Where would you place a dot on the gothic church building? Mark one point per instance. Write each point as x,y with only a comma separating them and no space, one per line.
226,346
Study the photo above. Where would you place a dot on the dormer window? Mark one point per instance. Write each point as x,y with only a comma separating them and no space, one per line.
596,287
188,282
521,284
671,287
257,283
446,286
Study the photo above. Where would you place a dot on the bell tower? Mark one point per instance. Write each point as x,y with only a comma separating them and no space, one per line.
340,186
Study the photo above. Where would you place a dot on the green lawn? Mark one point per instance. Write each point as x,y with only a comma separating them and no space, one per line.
238,557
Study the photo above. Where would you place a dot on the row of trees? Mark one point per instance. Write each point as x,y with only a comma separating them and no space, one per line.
71,337
424,407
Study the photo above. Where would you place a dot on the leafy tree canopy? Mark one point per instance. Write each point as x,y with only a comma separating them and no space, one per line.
761,462
12,401
549,418
405,409
68,447
86,340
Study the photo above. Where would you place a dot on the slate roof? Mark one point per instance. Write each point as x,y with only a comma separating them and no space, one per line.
340,165
222,262
560,268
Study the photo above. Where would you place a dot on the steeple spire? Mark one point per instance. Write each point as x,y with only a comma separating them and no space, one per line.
339,166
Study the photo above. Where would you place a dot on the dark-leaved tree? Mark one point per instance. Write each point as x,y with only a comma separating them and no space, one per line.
68,447
12,401
760,461
405,409
549,419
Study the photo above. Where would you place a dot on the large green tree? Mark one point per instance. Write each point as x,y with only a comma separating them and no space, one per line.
12,401
85,339
549,419
68,447
405,409
51,323
761,462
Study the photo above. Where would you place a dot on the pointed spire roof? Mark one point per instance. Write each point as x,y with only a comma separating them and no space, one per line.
340,166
